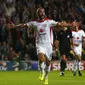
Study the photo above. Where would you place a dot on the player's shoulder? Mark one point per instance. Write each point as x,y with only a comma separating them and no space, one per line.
73,31
45,19
48,20
81,31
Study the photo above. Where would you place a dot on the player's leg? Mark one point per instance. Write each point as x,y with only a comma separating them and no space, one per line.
74,67
41,60
63,60
75,52
41,65
79,64
48,61
47,69
62,65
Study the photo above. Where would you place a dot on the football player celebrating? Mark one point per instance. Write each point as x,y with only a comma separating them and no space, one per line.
44,40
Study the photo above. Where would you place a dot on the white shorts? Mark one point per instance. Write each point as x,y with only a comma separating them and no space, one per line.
46,50
78,51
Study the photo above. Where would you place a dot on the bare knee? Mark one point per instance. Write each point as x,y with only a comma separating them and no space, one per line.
79,57
48,62
41,57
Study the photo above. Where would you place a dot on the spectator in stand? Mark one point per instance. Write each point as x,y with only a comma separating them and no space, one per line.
4,49
29,7
10,9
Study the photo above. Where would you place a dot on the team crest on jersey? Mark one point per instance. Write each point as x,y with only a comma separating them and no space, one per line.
41,30
77,38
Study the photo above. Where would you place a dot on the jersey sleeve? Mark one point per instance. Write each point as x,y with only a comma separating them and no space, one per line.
31,24
53,23
83,33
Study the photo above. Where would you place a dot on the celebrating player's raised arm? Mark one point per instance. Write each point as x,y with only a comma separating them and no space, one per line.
61,24
11,25
64,24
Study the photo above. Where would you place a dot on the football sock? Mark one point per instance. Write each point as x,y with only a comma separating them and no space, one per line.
75,66
47,69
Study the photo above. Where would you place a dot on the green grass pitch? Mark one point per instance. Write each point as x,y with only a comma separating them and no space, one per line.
31,78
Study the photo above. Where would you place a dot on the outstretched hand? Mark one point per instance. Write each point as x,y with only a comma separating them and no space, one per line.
10,25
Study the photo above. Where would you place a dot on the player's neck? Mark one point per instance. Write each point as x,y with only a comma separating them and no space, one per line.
41,19
77,29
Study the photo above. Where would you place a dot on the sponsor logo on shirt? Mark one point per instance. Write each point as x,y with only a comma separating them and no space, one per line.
41,30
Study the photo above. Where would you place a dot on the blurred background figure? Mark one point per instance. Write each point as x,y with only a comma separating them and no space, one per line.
64,38
77,40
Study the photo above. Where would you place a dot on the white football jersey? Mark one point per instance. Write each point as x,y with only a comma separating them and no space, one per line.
78,37
44,33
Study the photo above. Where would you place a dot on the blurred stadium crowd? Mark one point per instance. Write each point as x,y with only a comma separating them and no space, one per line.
19,44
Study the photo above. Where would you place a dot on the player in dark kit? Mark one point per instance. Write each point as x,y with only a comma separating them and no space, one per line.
64,38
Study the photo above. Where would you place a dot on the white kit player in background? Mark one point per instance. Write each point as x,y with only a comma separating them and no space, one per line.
44,40
78,38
